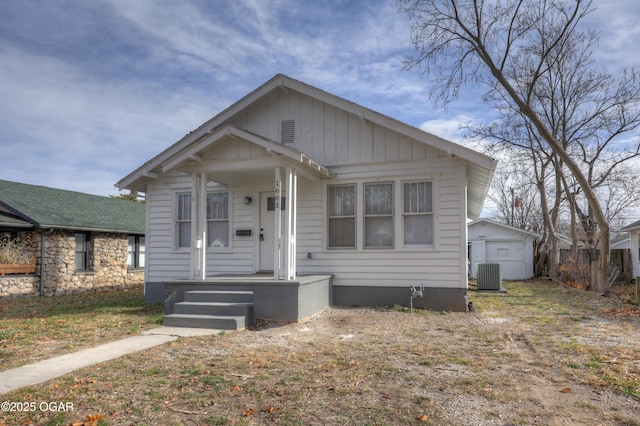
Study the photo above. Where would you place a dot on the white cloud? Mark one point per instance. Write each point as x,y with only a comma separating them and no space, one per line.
450,128
91,90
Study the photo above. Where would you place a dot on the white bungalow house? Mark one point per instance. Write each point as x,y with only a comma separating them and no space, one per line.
293,185
510,247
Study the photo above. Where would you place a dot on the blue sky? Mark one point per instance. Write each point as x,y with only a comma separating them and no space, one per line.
90,90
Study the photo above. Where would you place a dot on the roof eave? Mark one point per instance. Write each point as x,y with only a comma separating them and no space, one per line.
19,214
91,229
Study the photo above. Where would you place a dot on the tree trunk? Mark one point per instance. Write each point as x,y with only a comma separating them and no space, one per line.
602,281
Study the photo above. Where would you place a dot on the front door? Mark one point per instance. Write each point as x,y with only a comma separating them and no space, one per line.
267,219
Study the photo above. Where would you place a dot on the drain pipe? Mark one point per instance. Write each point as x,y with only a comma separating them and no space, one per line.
42,240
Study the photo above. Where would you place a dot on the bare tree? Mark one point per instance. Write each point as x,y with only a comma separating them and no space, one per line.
512,137
516,50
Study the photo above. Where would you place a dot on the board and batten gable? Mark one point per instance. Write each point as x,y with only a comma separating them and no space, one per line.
329,135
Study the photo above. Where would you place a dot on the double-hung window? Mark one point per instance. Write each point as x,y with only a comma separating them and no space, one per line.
136,251
341,203
183,220
218,219
418,213
83,252
378,215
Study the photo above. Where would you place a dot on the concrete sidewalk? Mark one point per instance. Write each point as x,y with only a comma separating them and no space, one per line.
55,367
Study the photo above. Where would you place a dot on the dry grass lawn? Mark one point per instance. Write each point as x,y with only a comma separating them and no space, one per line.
539,354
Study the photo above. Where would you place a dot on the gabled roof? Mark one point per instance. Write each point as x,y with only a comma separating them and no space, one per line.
621,242
502,225
44,207
301,160
632,227
480,168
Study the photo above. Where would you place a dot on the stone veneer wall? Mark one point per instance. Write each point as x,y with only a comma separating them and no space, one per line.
109,270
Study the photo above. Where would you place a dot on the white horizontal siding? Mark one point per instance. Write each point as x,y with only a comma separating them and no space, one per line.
163,261
437,266
440,266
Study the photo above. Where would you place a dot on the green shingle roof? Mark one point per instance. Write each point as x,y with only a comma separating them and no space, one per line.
56,208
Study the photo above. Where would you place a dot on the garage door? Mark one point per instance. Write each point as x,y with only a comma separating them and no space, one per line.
510,255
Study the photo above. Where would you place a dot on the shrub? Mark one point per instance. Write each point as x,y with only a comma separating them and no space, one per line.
576,273
15,250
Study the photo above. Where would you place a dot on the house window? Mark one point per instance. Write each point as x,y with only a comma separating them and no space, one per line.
184,220
218,219
378,215
341,205
271,203
418,213
136,251
83,251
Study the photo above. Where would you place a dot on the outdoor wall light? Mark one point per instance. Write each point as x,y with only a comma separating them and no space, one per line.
247,200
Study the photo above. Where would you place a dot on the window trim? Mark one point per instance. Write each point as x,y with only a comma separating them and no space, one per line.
136,253
227,220
398,217
431,214
176,222
87,254
365,216
354,216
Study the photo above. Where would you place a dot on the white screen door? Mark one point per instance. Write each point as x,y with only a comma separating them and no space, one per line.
267,217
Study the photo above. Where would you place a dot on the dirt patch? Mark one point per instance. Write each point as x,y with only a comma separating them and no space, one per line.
540,354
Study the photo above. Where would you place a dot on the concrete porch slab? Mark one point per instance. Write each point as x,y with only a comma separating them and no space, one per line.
282,300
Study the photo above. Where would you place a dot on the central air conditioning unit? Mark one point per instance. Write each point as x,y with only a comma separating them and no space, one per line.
489,278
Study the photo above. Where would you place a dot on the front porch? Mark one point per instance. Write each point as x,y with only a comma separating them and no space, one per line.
282,300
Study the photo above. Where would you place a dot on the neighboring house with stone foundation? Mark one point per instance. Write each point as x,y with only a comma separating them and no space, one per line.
78,242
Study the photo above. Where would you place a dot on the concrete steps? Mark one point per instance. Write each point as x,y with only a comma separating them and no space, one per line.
224,310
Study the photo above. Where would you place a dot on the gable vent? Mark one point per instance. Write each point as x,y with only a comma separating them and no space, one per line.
288,131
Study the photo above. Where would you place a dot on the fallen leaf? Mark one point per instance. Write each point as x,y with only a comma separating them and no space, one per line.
92,420
423,418
566,390
248,412
271,409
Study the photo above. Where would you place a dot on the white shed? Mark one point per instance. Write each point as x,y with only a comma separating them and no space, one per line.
634,240
493,242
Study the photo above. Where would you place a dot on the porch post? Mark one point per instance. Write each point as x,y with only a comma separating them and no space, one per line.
202,225
195,259
277,228
292,196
